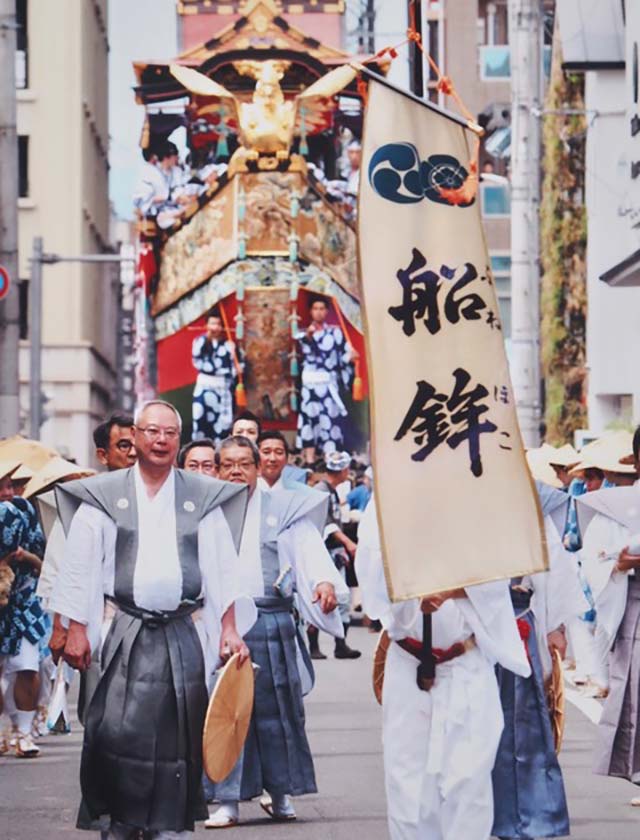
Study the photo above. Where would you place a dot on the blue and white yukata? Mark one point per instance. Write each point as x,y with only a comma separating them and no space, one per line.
212,407
281,552
326,367
24,626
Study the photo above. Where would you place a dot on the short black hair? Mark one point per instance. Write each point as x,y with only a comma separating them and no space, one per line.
636,443
214,313
242,441
167,149
193,444
274,434
102,433
317,299
248,415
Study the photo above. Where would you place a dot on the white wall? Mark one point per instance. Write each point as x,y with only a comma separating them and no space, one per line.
613,321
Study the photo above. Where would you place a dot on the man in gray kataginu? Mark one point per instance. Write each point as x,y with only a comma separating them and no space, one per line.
281,553
160,544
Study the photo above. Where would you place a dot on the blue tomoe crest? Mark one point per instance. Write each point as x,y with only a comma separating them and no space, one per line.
397,174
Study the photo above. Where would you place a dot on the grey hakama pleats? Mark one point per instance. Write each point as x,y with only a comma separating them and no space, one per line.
142,752
618,752
276,756
528,790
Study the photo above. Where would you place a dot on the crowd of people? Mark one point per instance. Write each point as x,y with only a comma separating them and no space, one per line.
33,633
474,756
173,559
166,186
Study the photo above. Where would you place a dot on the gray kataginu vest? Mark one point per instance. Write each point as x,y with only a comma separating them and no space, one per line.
195,496
279,510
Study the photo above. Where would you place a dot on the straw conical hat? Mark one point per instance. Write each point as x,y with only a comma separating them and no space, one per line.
610,453
540,467
379,661
23,473
555,700
8,467
30,452
228,717
56,470
563,456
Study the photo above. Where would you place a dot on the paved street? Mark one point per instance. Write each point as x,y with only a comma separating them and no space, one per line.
38,799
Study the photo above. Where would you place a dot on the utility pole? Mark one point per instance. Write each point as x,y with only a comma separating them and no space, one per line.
38,259
9,305
526,39
35,340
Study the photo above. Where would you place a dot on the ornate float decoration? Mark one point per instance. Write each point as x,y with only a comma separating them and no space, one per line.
268,111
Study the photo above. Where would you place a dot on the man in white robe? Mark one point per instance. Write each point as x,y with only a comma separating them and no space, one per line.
440,745
159,544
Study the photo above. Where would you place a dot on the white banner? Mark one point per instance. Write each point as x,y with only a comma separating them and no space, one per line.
456,503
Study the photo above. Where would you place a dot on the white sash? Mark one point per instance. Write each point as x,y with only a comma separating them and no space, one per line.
315,378
211,383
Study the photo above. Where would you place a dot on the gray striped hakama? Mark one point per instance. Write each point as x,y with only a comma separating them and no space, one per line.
142,753
528,790
618,751
276,756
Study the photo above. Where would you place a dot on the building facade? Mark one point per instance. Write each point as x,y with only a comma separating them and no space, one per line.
469,42
62,66
604,46
200,20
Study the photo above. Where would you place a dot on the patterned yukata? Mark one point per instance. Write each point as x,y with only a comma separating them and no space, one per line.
212,407
23,617
326,366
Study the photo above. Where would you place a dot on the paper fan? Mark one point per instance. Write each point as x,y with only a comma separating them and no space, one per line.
227,721
555,700
379,660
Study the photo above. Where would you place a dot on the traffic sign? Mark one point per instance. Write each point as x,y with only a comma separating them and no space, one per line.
4,282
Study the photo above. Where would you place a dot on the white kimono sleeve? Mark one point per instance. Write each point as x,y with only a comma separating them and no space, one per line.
603,541
53,557
489,612
557,594
301,547
218,565
78,591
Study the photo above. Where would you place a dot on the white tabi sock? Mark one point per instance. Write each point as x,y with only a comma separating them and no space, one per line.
229,809
9,700
24,721
282,804
227,814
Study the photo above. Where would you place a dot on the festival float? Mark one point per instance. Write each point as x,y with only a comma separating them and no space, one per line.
268,112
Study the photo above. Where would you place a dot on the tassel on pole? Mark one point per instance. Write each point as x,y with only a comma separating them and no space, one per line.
358,386
241,395
240,392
